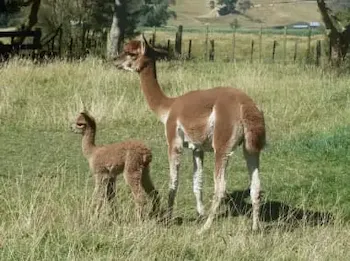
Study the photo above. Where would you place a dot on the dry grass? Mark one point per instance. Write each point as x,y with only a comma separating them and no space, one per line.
45,186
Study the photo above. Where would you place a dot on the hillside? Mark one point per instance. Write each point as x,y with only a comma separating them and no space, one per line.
264,13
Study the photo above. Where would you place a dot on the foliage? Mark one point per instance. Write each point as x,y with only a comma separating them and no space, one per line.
155,13
344,16
229,6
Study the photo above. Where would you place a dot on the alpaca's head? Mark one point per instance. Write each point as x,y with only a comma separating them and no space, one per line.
137,55
83,122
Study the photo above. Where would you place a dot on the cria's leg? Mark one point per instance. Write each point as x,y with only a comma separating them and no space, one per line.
198,156
111,190
99,194
220,188
133,178
252,160
151,191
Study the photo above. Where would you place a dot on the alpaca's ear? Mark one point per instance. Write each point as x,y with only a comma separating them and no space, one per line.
144,45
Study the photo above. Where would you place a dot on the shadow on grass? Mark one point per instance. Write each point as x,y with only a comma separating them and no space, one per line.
274,211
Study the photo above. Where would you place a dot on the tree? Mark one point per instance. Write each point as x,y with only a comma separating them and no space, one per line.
155,13
130,14
339,36
227,6
125,18
244,5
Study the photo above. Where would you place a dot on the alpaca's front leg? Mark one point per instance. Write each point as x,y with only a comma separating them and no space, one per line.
174,154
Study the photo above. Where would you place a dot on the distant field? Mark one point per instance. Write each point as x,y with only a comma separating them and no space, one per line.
266,13
45,185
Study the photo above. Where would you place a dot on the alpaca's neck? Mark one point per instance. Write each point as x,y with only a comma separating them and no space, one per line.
158,102
88,142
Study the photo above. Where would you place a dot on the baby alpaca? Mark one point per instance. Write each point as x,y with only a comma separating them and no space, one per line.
106,162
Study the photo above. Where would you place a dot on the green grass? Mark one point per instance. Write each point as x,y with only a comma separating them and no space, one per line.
45,185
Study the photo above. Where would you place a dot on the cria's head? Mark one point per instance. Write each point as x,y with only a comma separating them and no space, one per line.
137,55
83,122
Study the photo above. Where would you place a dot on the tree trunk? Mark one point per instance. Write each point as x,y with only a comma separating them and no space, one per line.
338,37
117,32
31,20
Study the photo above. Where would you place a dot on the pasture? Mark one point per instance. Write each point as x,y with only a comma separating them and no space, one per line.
45,185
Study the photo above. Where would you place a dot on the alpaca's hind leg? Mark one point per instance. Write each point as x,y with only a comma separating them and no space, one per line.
133,178
198,156
252,160
151,191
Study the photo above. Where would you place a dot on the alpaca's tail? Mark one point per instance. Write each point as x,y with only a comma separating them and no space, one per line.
149,188
254,129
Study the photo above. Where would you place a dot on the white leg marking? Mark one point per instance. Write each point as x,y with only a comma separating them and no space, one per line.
198,180
255,197
174,162
255,186
220,188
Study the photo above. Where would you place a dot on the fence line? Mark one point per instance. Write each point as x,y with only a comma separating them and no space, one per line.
210,47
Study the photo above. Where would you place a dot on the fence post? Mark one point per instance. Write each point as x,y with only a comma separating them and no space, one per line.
252,52
206,42
233,43
295,51
308,50
285,45
330,50
178,40
70,49
189,49
260,44
318,52
60,43
154,36
168,46
274,50
212,51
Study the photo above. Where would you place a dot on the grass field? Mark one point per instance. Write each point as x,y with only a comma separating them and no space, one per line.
45,185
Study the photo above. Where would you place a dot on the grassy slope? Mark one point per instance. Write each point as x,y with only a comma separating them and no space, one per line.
45,186
192,13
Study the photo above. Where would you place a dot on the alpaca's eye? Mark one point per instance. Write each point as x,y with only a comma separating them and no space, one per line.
80,124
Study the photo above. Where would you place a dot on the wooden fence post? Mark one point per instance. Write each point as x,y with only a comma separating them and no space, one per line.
154,36
71,49
318,52
274,50
168,46
60,43
295,51
212,51
260,44
285,45
330,50
178,40
308,50
189,48
206,42
234,43
252,52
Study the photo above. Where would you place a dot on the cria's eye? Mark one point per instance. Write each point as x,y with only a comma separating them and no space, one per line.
80,124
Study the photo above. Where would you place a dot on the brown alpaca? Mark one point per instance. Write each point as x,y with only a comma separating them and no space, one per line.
218,119
106,162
